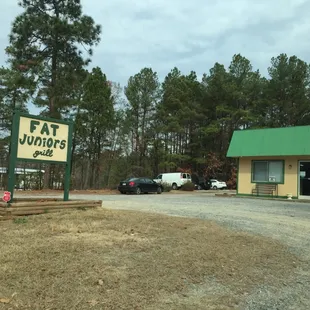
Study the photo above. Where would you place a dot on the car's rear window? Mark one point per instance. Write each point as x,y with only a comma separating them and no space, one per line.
131,179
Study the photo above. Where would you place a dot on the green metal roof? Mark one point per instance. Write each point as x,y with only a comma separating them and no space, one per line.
286,141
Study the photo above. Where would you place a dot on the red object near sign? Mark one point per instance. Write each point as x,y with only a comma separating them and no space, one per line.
6,197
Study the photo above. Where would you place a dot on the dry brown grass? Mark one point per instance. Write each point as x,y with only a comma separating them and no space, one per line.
100,259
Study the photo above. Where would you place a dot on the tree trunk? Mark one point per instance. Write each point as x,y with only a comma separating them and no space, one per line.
82,173
46,177
52,95
52,101
87,174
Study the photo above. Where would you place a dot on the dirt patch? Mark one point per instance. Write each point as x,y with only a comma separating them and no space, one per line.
100,259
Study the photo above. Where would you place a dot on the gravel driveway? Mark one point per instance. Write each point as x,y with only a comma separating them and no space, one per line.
287,222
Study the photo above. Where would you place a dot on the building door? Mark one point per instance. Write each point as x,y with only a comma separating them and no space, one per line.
304,179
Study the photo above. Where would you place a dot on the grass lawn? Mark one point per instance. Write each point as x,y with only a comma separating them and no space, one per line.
102,259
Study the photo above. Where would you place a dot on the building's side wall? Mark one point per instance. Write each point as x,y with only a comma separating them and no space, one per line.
290,185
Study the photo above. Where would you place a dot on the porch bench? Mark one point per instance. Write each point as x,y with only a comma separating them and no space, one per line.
265,189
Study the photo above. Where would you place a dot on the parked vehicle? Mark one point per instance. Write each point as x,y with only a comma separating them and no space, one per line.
175,179
139,186
215,184
202,183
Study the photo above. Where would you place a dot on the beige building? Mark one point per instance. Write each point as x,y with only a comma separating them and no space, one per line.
272,162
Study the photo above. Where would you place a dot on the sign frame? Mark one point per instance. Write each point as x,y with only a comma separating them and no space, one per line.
14,146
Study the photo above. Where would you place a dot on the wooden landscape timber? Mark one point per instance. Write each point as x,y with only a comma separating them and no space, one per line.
32,207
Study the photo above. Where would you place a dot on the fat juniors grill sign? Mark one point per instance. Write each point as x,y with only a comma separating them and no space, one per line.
42,140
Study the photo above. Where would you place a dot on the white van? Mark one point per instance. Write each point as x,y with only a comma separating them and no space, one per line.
175,179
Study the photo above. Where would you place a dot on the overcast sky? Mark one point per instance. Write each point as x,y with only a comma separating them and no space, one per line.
191,35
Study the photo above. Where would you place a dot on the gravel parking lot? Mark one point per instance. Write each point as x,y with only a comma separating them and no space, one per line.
287,222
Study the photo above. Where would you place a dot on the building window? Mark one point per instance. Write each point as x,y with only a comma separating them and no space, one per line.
268,171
